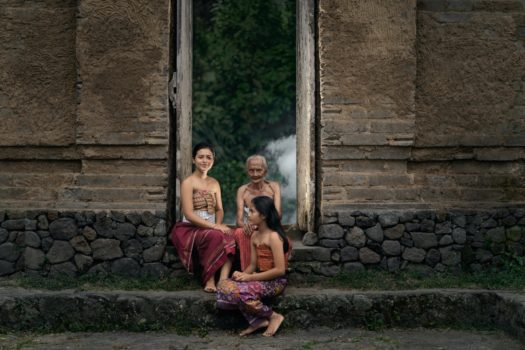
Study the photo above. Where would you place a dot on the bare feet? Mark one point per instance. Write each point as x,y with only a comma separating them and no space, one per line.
251,329
275,322
210,286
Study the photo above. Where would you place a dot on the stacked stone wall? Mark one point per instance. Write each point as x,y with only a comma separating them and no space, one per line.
58,244
427,241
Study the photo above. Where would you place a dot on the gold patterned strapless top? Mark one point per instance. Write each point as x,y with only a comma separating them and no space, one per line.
204,200
203,205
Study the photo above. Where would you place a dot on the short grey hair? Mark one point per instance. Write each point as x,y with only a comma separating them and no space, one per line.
257,156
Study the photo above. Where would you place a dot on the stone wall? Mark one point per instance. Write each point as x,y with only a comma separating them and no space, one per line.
57,244
427,240
424,108
83,104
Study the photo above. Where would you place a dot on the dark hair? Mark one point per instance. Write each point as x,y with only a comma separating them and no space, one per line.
265,206
202,145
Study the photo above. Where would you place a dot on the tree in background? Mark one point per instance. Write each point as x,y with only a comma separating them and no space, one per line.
243,82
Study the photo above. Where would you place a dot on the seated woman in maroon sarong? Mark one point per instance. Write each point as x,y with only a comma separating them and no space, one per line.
257,168
265,275
201,229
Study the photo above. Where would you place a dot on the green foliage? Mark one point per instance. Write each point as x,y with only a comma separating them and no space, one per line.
243,81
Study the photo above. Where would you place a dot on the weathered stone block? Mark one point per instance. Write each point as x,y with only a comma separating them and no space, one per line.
310,239
331,231
155,252
356,237
59,252
80,244
47,242
132,248
33,258
149,219
6,268
322,254
424,240
332,243
349,254
83,262
335,256
450,257
14,225
375,233
368,256
328,270
414,254
89,233
388,220
64,269
144,231
412,226
446,240
106,249
125,267
391,248
459,235
353,267
134,218
160,228
42,222
496,235
345,218
4,235
427,225
365,221
444,228
124,231
433,257
9,252
513,233
395,232
117,216
105,227
154,270
63,228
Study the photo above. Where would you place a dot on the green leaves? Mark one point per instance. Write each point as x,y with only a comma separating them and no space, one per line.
244,81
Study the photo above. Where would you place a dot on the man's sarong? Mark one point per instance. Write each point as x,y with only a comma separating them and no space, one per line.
212,247
246,297
244,246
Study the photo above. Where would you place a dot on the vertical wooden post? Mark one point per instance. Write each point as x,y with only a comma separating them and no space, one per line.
183,100
305,114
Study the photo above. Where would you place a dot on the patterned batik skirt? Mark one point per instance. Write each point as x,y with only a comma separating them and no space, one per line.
212,246
247,297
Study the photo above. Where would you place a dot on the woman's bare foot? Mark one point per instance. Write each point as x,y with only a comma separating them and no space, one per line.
275,322
252,329
210,286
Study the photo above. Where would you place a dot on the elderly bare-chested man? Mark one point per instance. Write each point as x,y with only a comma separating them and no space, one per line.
257,169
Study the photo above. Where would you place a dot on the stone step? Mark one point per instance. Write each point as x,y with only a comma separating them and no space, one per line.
72,310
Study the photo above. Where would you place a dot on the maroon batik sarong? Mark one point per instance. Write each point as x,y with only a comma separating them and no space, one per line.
212,247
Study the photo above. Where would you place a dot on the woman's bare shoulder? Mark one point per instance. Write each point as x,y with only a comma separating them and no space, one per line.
187,181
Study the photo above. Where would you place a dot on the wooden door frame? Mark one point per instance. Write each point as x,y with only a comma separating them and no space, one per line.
305,105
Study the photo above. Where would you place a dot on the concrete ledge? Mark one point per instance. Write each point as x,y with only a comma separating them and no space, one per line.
153,310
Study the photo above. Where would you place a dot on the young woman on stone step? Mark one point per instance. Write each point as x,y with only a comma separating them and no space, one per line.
265,275
201,230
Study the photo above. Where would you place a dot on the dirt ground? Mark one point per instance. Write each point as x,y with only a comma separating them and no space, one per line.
317,338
